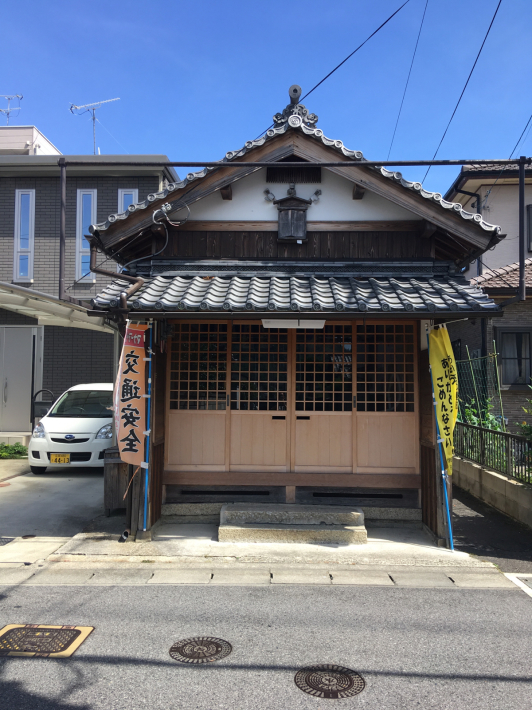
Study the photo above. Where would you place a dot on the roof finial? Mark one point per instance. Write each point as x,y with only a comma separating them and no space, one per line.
295,114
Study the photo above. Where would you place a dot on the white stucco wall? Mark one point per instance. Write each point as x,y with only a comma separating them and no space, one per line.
336,202
502,208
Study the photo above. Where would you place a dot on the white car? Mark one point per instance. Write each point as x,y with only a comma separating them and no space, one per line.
76,430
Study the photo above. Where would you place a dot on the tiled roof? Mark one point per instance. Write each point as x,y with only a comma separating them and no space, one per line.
289,293
317,134
494,168
505,277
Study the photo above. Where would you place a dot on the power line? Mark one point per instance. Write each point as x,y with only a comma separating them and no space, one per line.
408,79
488,194
345,60
465,87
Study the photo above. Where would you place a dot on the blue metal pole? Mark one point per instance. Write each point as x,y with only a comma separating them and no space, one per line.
148,424
443,471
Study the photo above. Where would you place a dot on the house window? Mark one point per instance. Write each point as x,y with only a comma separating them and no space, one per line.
86,215
24,235
126,198
515,357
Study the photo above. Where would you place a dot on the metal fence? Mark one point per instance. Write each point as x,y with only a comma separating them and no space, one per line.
507,453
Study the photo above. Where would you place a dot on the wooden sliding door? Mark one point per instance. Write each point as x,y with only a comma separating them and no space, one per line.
197,416
387,420
336,400
323,416
259,439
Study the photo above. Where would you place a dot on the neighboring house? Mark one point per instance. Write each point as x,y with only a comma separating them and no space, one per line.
290,358
499,196
498,190
45,343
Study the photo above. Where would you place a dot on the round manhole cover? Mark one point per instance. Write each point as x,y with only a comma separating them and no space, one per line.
200,649
329,681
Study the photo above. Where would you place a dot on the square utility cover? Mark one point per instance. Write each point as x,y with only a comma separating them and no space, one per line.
41,640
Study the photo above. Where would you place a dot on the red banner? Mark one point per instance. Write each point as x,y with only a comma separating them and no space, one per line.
129,396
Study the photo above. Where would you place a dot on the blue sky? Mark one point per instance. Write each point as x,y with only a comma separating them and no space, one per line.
197,79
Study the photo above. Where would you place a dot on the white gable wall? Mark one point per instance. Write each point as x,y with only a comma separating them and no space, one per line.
336,202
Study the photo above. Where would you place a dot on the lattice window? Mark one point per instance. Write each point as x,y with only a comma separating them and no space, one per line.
199,366
324,380
385,368
259,363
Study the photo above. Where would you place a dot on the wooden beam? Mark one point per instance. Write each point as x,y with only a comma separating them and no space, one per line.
226,192
332,480
358,192
271,226
427,229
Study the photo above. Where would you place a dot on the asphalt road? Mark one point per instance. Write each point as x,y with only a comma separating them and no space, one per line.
415,648
56,504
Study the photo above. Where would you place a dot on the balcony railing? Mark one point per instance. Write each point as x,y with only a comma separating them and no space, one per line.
503,452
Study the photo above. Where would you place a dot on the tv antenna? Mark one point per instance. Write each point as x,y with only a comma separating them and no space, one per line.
91,108
9,98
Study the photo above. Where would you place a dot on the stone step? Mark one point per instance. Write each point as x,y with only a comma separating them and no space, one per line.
290,514
294,533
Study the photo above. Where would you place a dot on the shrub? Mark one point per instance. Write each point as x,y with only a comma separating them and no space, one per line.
12,451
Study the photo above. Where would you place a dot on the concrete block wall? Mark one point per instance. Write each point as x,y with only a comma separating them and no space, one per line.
506,494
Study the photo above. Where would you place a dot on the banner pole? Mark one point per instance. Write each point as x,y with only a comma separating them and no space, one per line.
443,471
148,432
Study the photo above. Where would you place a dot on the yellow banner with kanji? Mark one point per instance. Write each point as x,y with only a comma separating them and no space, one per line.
129,397
445,382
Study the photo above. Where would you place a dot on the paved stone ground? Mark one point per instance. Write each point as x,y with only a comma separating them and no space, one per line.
483,531
431,649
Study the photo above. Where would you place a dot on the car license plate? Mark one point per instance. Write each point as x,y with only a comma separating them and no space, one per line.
59,458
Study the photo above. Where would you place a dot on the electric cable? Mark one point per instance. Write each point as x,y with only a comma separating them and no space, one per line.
465,87
407,79
345,60
488,193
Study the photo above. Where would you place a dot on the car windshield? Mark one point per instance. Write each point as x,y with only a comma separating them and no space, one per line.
84,403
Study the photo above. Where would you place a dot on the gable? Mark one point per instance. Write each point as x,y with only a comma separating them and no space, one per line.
335,204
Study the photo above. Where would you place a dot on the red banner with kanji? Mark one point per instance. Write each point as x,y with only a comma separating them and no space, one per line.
130,396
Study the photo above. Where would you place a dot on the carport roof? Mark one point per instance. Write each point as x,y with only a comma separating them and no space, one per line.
48,310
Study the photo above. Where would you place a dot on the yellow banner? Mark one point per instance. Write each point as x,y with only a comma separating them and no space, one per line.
445,382
129,397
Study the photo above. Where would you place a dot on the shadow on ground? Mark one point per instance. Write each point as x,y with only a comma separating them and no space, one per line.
483,531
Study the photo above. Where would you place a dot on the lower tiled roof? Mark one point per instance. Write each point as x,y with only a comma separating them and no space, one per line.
504,277
265,293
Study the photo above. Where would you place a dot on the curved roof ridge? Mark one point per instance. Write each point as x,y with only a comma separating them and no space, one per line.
318,134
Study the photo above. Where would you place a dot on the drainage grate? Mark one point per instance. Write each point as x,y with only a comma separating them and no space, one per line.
329,681
5,540
200,649
42,640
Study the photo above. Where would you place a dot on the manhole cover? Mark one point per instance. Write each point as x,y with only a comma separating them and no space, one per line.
200,649
329,681
42,640
527,581
5,540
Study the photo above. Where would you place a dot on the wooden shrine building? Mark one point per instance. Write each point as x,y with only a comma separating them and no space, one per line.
290,305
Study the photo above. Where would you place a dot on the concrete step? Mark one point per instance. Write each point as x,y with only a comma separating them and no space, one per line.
279,533
289,514
262,522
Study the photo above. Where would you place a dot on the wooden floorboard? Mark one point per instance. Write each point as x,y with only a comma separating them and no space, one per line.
336,480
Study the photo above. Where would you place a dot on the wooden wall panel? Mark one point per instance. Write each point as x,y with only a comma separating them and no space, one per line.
429,491
387,442
196,439
320,245
324,442
258,441
156,482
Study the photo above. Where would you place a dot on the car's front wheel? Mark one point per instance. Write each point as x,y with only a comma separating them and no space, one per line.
37,470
